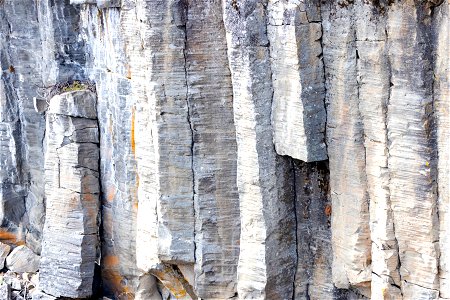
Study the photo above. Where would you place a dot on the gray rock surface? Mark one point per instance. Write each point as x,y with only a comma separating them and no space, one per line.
22,259
72,196
298,113
4,251
208,116
267,256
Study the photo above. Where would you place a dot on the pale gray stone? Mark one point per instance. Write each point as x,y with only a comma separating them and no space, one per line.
22,259
411,154
5,291
72,198
4,251
298,108
345,139
216,201
442,112
267,258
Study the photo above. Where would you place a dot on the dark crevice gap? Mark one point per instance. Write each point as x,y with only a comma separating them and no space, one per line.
294,182
191,127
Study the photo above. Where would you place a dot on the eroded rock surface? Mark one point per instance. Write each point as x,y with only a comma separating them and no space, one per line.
72,191
257,149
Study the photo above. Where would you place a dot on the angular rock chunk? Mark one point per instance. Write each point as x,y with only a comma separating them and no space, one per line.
412,155
267,259
345,140
216,199
5,291
22,260
298,111
72,189
100,3
4,251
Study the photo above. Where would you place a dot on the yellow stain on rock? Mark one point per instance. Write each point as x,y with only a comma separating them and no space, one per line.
133,120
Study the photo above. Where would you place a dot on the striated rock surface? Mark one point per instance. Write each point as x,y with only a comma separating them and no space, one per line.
298,113
72,190
22,259
232,149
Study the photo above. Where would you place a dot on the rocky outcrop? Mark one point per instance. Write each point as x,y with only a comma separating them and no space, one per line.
257,149
72,189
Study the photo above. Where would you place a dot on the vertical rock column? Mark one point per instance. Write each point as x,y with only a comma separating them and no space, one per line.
72,190
267,258
298,111
442,113
216,198
412,156
374,92
345,140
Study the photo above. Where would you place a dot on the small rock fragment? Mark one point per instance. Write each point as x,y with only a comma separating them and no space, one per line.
4,251
5,292
22,259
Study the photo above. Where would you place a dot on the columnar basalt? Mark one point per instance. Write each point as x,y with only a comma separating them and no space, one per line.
72,190
245,149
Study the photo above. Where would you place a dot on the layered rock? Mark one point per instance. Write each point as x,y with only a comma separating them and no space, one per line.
72,190
374,84
412,155
347,155
267,246
298,113
193,119
216,200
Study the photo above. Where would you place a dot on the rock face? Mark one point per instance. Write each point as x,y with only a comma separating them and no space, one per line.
226,149
72,196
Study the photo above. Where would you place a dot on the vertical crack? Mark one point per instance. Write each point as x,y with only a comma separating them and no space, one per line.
186,74
388,156
294,180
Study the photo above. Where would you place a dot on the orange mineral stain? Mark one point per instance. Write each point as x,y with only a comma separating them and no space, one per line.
133,141
112,276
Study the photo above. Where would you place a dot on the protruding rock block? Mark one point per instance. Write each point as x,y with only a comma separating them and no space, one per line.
72,192
99,3
267,258
298,109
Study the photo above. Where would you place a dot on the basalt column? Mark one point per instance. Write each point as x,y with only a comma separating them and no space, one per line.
72,196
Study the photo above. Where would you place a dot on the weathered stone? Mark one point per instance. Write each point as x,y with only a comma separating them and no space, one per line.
374,92
5,291
72,198
216,199
4,251
267,257
345,140
147,288
298,112
22,259
100,3
412,156
313,209
442,113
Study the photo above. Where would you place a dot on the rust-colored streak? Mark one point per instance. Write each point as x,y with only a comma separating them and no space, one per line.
113,279
133,141
11,238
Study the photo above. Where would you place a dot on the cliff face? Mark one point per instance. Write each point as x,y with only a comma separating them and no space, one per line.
246,149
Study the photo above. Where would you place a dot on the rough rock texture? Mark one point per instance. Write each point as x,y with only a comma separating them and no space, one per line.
244,149
22,259
4,251
72,196
298,115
